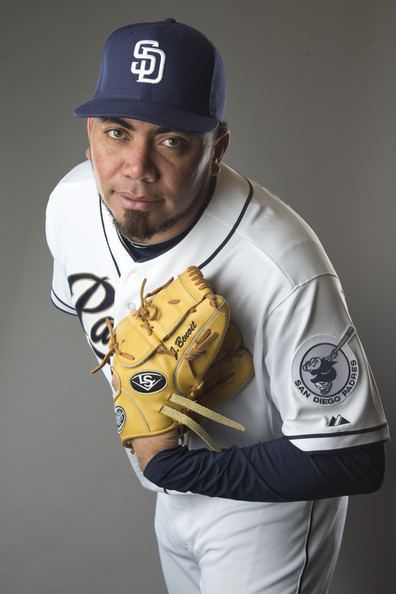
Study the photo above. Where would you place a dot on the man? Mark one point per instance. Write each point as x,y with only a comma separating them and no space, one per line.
153,198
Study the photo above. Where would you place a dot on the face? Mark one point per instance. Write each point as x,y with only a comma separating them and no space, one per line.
153,180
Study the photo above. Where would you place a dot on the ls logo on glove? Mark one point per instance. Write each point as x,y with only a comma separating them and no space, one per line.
148,382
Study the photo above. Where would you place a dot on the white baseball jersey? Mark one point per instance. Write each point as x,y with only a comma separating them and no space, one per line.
312,381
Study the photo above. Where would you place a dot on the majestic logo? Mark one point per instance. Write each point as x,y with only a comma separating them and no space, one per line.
338,420
325,370
150,61
148,382
120,417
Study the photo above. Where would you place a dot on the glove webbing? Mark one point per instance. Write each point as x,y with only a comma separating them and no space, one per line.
201,410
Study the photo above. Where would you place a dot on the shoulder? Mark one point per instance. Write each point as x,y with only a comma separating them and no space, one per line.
81,173
72,207
271,230
76,188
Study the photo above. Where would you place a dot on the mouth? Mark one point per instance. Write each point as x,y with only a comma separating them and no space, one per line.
132,202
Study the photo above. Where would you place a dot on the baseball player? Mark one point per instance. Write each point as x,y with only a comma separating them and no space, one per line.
266,513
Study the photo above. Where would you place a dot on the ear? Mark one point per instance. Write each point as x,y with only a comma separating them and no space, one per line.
90,122
220,147
89,131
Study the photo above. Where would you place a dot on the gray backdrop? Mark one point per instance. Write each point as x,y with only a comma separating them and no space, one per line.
311,106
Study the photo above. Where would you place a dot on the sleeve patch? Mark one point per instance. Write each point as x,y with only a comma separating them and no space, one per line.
324,370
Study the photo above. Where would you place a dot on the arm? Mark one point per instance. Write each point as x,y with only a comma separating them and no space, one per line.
271,471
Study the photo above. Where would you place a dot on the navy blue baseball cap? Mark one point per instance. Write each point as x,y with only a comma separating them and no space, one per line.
166,73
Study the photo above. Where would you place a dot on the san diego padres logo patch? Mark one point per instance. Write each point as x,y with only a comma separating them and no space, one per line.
148,382
325,370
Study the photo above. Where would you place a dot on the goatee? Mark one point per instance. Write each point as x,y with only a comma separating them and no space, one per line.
136,225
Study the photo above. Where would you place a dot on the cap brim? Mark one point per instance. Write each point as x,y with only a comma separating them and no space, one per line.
163,115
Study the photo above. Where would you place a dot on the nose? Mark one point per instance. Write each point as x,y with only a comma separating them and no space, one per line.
138,163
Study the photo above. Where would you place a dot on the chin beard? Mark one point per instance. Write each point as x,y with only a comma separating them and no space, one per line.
136,226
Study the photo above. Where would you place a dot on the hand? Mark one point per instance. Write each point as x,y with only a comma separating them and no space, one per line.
147,447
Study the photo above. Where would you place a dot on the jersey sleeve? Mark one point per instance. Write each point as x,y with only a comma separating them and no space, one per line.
316,371
60,291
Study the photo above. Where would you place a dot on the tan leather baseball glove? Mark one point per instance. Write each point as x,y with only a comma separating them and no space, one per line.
161,354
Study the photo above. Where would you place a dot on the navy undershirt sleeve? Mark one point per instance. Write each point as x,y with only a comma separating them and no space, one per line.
269,471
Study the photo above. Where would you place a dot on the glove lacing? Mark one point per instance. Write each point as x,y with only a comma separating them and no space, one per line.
113,347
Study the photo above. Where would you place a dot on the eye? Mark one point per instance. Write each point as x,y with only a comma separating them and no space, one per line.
174,142
115,133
